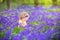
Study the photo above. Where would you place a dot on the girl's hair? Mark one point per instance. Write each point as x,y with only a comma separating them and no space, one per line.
23,15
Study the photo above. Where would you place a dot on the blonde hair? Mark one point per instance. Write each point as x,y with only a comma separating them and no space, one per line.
23,14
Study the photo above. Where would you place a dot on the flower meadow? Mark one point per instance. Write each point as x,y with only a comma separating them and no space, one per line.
43,24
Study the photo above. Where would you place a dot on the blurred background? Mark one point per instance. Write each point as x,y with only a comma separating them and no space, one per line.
6,4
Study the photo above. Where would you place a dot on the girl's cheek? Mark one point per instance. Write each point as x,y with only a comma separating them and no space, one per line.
24,19
27,18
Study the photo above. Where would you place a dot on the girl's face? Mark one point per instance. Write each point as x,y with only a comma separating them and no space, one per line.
24,16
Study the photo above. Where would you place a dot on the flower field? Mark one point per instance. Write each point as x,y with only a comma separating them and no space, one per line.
43,24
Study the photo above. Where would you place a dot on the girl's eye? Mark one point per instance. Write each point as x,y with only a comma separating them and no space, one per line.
26,16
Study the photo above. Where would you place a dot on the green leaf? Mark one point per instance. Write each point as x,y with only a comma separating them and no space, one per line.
0,25
35,23
45,28
8,27
40,31
2,34
16,30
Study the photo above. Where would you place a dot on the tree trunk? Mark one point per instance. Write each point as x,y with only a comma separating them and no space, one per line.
8,4
3,1
36,2
54,2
